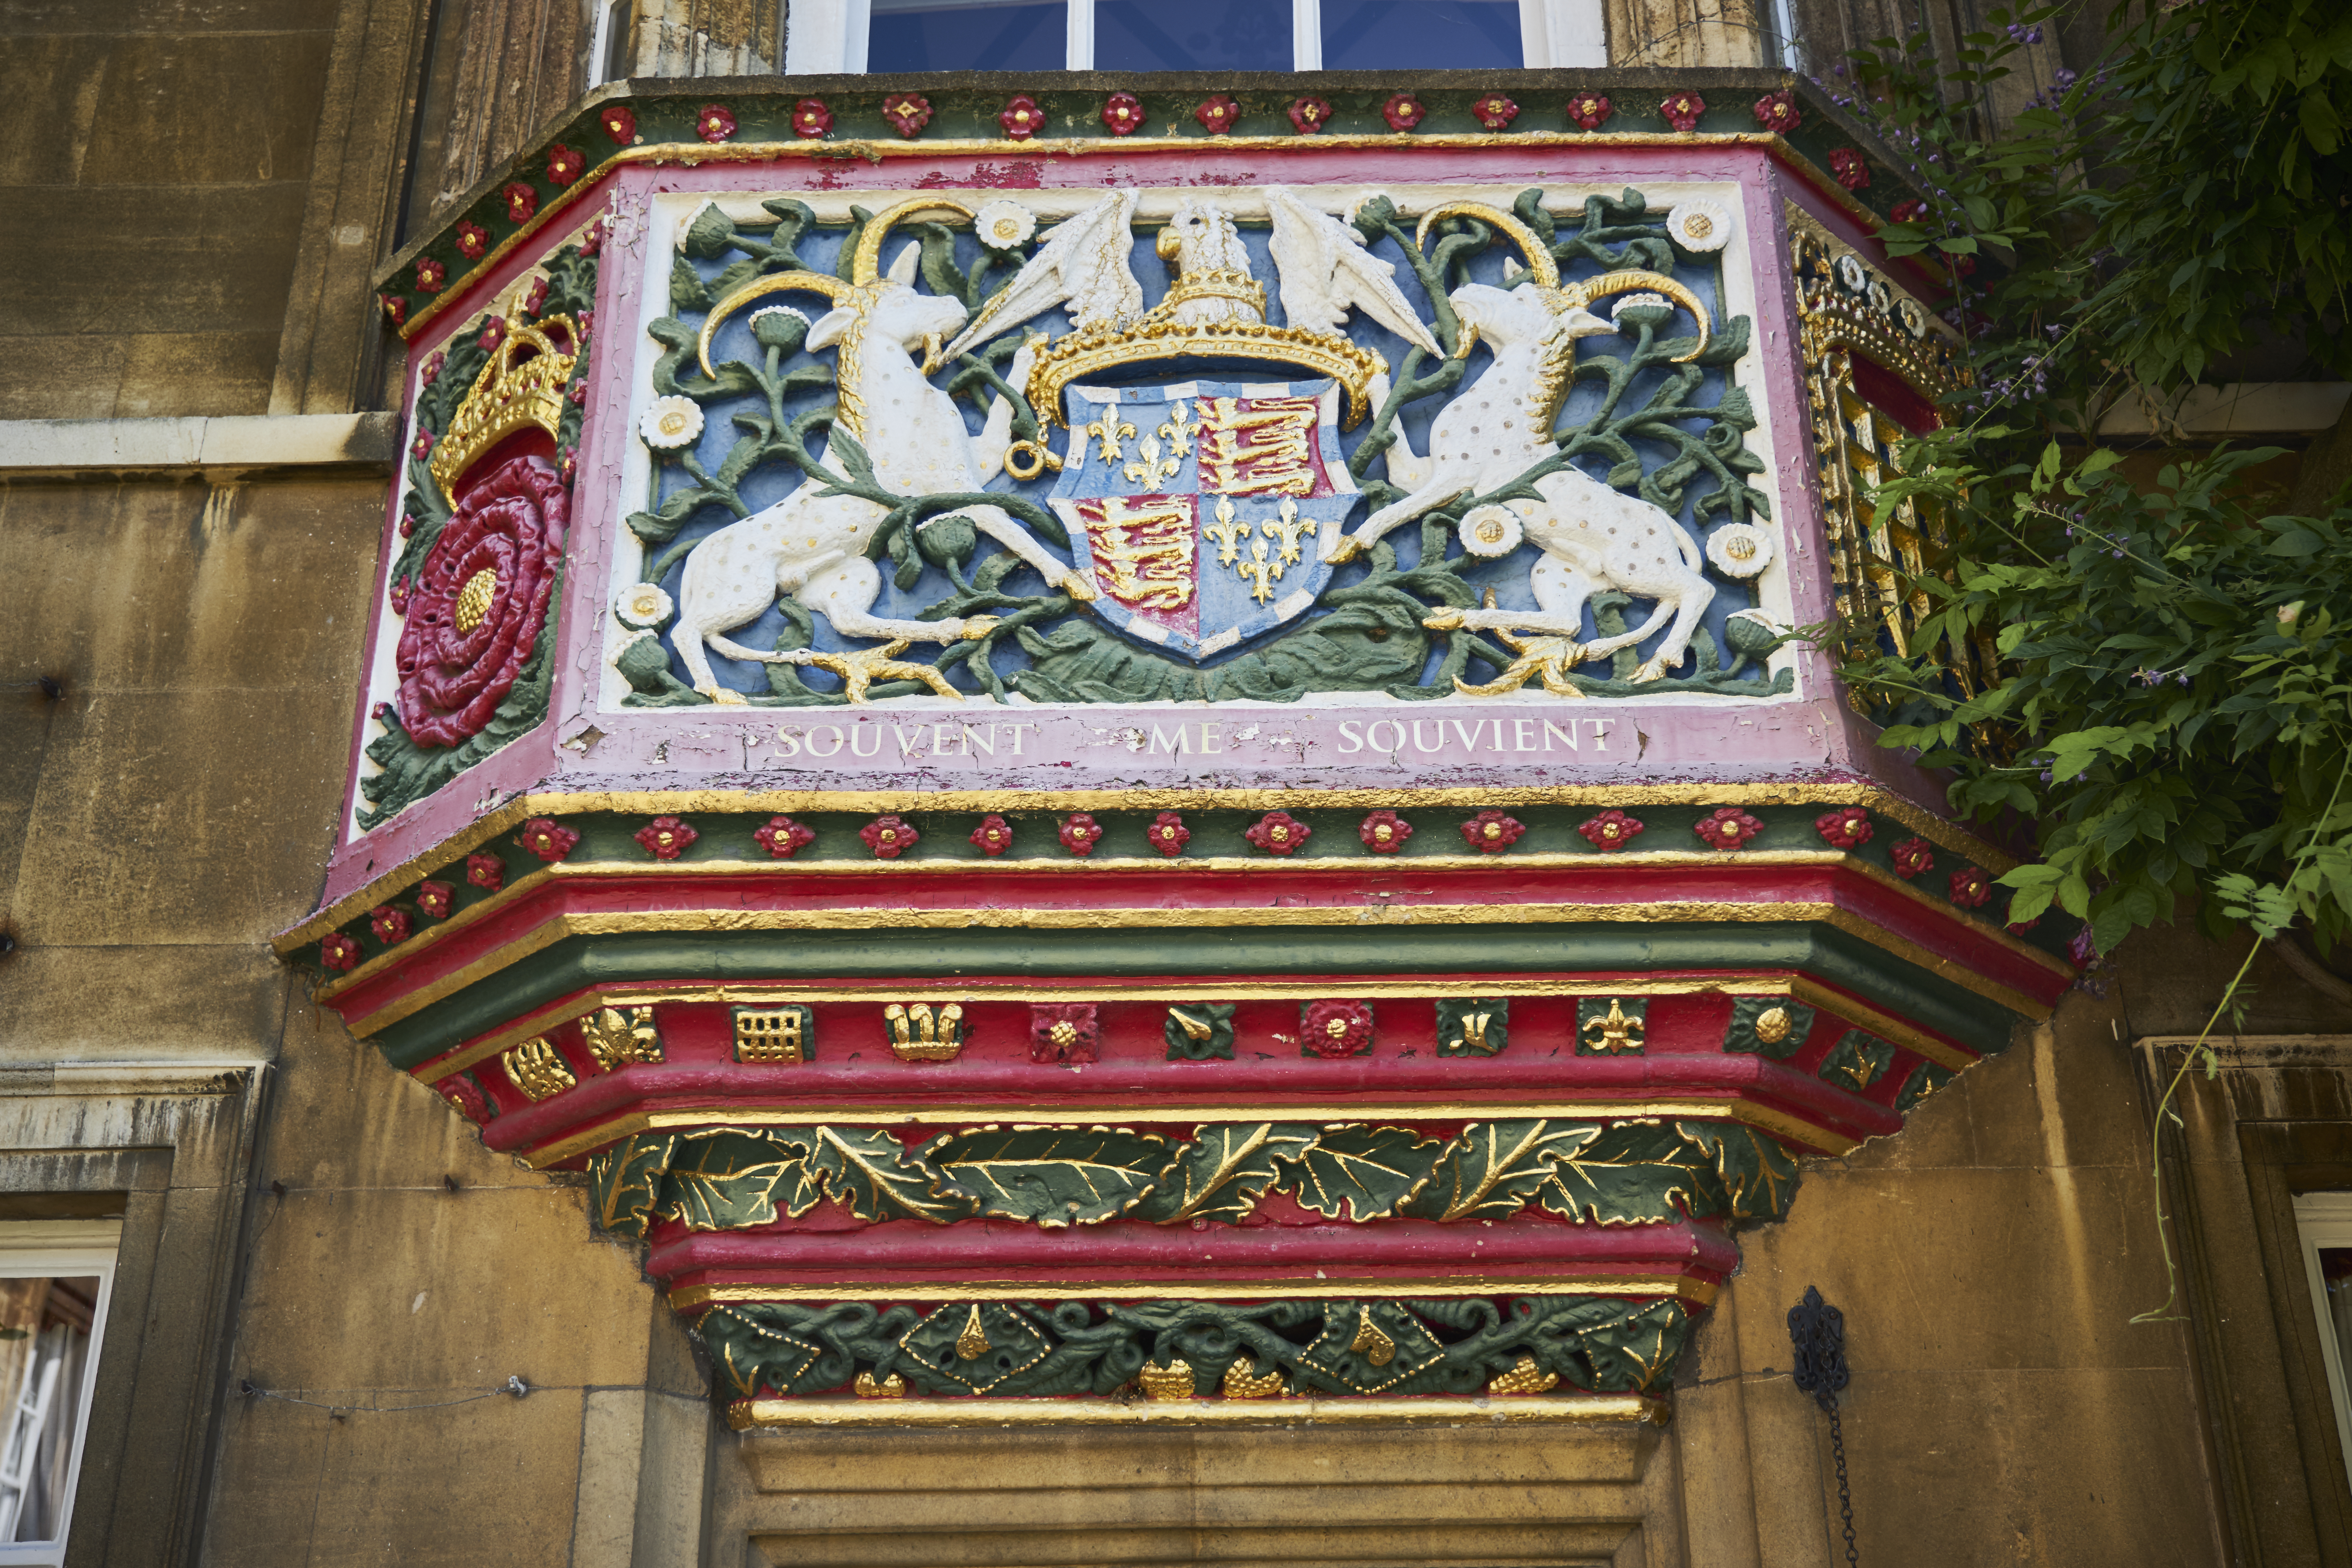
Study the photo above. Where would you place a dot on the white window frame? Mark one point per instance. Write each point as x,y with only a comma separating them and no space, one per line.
2324,1219
825,37
61,1249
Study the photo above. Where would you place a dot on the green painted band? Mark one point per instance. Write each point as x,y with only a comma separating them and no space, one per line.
929,957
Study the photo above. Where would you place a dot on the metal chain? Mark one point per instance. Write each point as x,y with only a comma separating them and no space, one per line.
1846,1496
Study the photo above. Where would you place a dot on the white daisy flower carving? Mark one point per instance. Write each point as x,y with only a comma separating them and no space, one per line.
1700,223
1740,550
1004,225
644,606
1489,532
671,423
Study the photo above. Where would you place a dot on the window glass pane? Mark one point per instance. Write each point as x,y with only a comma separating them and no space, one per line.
941,36
1424,35
45,1329
1192,35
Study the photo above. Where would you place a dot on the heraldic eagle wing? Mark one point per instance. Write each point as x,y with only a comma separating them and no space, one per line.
1082,261
1325,271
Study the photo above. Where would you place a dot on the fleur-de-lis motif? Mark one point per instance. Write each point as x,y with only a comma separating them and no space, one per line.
1178,433
1260,573
1228,532
1149,469
1110,431
1286,526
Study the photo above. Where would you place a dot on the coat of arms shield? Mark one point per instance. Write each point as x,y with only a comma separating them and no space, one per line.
1203,512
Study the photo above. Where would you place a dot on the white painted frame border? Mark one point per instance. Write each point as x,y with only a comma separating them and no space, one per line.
63,1249
2324,1219
825,37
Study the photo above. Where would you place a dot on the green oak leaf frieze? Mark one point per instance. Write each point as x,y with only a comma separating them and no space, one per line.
1627,1172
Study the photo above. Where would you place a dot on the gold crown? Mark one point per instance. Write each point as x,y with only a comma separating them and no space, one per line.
521,388
1215,283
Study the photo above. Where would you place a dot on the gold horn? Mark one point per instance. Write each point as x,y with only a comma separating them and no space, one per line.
1539,262
867,265
1583,293
832,289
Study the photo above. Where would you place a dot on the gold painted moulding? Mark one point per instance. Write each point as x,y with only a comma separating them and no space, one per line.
1448,1410
685,803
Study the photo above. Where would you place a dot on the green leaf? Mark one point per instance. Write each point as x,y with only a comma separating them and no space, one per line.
1224,1171
1057,1176
868,1172
625,1183
1492,1170
1758,1177
724,1180
1632,1174
1370,1170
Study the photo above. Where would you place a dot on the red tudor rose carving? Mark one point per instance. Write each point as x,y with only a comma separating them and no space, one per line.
666,837
1912,858
781,835
1336,1029
390,926
1123,112
1971,889
1591,110
1844,828
889,837
486,872
1278,833
1728,828
549,839
1492,832
1613,829
435,900
1217,114
1169,835
1080,833
993,835
339,954
480,602
1384,832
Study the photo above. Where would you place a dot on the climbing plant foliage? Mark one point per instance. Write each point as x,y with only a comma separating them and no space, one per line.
2173,715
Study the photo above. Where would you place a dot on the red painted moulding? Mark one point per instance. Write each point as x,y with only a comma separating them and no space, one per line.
1948,935
911,1256
1497,1084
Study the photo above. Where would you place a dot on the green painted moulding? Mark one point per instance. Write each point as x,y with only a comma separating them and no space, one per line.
916,956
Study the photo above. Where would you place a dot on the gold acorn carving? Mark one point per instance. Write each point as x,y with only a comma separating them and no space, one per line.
1239,1384
1373,1344
1773,1025
891,1387
1173,1380
972,1343
1525,1378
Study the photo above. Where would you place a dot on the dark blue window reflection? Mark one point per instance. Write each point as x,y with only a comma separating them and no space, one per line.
933,36
1192,34
1426,35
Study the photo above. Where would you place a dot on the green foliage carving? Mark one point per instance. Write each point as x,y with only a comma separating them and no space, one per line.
1221,1173
1925,1080
626,1182
1495,1168
1857,1060
1601,1344
1627,1172
1746,1011
1758,1176
868,1171
1634,1173
1056,1176
1215,1044
728,1181
1363,1171
1473,1026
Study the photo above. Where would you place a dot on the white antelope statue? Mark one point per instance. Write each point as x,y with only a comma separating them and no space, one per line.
1593,538
813,546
